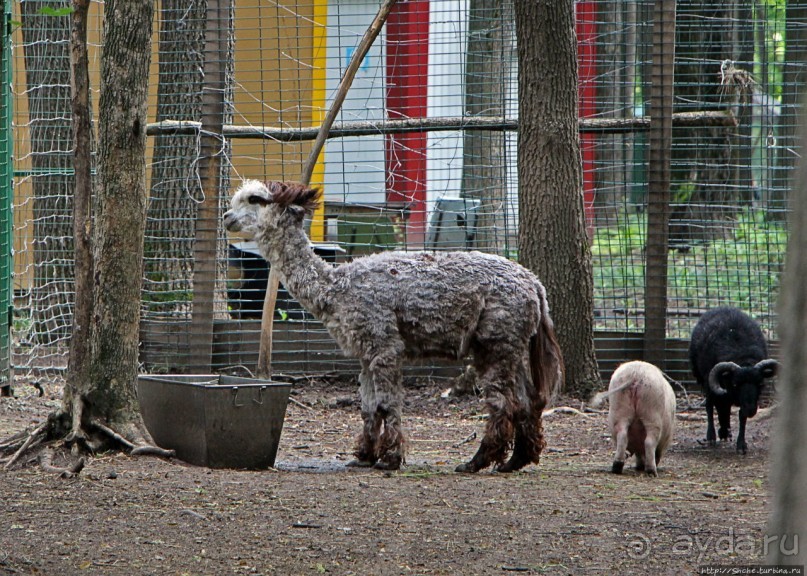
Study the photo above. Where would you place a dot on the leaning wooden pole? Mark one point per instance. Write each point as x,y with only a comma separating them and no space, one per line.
267,320
658,201
212,149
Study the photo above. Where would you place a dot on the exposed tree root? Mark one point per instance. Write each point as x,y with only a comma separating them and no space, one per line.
68,432
13,442
36,436
46,461
134,449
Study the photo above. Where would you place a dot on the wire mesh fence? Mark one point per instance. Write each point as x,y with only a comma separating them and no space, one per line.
423,155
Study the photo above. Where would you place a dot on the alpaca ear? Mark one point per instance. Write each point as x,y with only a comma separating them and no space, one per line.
296,212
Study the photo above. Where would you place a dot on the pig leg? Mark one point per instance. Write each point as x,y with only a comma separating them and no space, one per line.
650,443
621,438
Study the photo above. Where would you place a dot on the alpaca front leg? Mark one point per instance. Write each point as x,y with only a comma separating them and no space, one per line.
385,370
391,445
366,451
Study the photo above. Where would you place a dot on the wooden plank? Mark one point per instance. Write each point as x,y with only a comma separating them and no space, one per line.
306,348
207,219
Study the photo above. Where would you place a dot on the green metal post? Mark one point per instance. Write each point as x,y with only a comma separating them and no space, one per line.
6,218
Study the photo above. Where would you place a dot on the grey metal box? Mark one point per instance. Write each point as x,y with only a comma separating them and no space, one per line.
213,420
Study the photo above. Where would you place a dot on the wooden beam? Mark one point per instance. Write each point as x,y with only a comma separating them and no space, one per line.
437,124
658,205
207,218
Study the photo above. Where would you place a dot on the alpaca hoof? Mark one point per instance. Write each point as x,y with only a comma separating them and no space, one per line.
389,463
467,468
515,463
356,463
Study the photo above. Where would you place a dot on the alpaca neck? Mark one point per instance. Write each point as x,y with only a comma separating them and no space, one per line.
305,275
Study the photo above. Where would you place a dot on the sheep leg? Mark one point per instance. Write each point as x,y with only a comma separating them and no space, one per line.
499,431
621,437
365,451
741,444
711,437
724,419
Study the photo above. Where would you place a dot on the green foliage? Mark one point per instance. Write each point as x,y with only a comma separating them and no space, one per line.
48,11
743,269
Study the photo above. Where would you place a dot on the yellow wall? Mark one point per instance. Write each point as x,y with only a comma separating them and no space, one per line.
274,85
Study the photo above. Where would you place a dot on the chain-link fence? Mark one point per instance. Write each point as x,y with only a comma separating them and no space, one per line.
423,155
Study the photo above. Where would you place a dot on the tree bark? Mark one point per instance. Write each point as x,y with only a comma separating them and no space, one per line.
788,519
704,181
175,186
487,76
794,78
552,232
79,355
108,393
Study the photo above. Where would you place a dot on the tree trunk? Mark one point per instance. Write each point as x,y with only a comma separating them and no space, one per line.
704,182
794,77
552,231
175,186
788,519
47,67
614,100
79,357
487,76
108,394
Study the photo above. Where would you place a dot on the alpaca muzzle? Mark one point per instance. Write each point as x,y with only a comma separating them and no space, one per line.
231,223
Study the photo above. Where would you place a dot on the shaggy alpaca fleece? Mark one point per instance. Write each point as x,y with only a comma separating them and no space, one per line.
392,306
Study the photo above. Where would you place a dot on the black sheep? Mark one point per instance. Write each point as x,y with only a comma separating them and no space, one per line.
729,359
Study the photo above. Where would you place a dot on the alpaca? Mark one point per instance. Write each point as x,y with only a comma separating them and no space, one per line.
388,307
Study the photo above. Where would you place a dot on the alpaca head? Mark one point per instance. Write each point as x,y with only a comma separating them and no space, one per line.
259,207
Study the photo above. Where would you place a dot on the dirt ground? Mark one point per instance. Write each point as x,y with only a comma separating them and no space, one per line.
311,515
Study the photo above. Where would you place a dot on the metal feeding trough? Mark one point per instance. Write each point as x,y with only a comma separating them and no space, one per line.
213,420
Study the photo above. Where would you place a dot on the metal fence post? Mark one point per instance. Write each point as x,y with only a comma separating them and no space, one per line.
6,241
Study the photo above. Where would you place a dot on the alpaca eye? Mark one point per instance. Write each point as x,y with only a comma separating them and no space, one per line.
255,199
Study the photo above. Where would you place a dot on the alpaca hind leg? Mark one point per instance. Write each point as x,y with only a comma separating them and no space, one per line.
366,444
529,437
499,430
528,444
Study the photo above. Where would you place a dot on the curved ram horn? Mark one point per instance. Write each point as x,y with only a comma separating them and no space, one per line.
768,365
714,385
